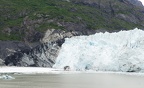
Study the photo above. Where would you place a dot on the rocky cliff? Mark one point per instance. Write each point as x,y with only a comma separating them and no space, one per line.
43,55
32,32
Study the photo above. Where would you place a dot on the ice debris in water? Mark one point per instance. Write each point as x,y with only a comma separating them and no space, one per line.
6,77
122,51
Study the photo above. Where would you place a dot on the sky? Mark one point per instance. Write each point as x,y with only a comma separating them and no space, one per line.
142,1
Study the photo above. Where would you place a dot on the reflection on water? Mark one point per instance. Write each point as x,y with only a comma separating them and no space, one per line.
96,80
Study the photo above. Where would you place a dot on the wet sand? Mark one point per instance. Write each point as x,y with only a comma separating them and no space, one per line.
87,80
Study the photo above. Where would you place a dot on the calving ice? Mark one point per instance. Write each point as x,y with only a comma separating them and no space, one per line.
122,51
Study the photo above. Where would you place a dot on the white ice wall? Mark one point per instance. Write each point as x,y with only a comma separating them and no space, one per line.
122,51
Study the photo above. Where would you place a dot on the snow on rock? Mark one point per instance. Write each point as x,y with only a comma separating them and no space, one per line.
122,51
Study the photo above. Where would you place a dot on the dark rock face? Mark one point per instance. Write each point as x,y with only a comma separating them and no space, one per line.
43,55
8,48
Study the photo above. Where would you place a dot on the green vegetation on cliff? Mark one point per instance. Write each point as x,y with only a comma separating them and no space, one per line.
24,18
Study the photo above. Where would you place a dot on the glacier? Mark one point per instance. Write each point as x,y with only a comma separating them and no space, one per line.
119,52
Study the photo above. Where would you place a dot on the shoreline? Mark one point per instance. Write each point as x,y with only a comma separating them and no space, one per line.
42,70
29,70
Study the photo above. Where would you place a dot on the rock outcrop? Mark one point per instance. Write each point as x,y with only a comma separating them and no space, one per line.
8,48
43,55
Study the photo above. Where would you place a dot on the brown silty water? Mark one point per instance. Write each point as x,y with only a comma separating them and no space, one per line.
97,80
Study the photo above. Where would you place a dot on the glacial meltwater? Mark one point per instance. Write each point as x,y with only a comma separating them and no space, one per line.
81,80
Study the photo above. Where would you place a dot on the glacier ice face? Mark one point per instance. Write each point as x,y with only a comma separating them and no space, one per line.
122,51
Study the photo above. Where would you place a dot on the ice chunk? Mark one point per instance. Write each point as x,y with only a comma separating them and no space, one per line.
6,77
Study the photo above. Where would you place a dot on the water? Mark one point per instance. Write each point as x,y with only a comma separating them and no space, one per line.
97,80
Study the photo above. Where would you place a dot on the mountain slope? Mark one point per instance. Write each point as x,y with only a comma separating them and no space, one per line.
27,20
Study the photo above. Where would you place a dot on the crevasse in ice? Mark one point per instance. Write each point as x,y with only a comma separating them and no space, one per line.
121,51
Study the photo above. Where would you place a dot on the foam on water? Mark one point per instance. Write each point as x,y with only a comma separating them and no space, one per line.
122,51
